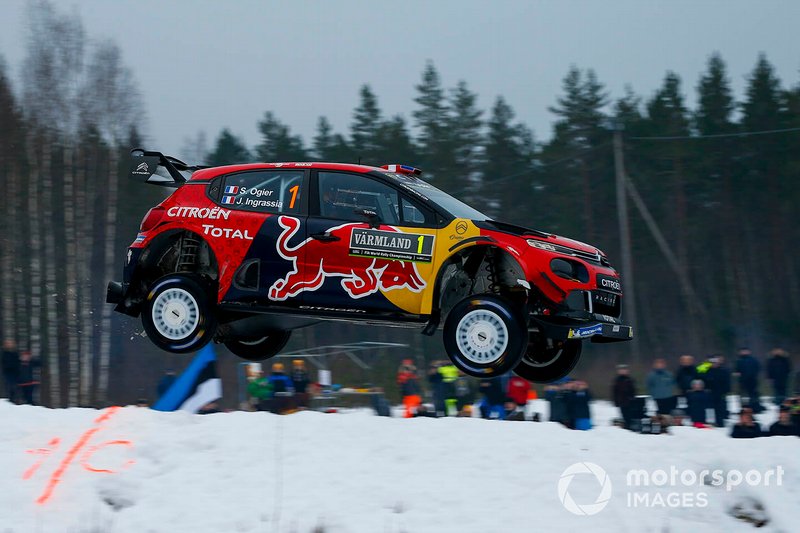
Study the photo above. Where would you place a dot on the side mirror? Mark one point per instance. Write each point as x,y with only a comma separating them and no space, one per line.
370,215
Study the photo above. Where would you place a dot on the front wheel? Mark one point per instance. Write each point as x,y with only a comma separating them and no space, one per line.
178,315
484,336
261,348
547,360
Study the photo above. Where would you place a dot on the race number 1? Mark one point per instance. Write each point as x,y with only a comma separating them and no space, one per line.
294,190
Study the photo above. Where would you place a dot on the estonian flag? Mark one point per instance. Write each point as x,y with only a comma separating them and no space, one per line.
195,387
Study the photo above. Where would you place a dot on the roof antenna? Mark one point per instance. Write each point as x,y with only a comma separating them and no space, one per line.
359,160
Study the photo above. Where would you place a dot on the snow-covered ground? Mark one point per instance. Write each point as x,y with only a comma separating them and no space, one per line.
354,472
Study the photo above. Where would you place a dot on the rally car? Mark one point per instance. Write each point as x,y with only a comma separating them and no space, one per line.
245,254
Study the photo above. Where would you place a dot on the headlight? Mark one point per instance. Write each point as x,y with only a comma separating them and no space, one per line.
541,245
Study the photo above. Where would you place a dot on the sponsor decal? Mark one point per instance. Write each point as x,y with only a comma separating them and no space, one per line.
582,333
609,283
142,168
213,213
339,309
461,227
228,200
140,237
391,245
228,233
232,189
361,276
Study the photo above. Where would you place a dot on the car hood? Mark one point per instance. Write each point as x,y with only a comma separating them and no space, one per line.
524,232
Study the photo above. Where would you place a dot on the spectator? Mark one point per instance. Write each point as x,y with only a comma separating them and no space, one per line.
494,398
747,368
697,403
747,428
556,396
624,392
27,380
282,388
260,391
436,382
449,374
779,369
465,392
718,383
686,373
409,387
660,386
579,406
517,392
10,363
300,383
380,403
165,382
784,426
209,409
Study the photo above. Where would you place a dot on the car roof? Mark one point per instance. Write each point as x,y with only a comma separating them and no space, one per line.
209,173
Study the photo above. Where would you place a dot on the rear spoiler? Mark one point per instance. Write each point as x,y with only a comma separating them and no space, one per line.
159,169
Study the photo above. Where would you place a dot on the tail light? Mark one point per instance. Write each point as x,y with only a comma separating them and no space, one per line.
151,219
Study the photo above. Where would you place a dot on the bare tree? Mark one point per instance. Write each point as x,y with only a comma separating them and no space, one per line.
114,102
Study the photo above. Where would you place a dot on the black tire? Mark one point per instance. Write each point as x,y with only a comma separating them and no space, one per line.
178,314
259,349
548,360
490,330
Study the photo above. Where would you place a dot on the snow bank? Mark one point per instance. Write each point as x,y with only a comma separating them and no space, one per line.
257,472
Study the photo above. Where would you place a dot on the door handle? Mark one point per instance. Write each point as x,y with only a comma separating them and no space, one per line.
325,237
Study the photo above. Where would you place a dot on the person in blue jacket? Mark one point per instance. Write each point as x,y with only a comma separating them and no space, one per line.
282,388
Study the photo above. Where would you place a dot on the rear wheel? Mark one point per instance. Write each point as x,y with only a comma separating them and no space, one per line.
259,348
178,315
548,360
484,336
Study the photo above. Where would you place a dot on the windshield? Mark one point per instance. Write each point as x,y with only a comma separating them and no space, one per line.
455,207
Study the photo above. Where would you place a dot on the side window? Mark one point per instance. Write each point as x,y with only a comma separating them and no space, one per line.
341,195
414,214
268,191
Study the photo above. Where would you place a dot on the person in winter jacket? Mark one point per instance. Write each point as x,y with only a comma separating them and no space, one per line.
697,403
300,383
661,387
747,428
407,380
494,398
10,366
579,406
747,368
26,379
449,374
784,426
718,384
260,391
623,391
779,370
556,396
436,383
518,389
686,373
282,388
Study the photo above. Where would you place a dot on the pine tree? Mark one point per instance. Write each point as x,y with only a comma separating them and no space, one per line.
394,143
431,120
365,127
277,142
329,146
228,150
464,125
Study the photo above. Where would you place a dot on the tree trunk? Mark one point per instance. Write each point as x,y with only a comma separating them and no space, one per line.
85,202
73,353
54,395
49,258
109,261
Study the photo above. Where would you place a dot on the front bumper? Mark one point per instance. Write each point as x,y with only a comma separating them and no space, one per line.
569,329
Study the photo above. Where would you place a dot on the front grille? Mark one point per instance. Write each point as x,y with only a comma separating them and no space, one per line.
606,303
586,256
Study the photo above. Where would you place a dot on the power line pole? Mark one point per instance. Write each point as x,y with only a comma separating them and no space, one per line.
625,236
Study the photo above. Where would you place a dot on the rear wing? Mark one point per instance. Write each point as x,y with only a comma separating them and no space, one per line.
159,169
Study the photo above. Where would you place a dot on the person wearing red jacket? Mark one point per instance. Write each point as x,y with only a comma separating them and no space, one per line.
409,387
517,391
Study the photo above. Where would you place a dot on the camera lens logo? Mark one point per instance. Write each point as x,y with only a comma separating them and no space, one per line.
588,509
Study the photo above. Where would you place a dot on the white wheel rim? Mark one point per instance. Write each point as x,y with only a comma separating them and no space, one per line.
482,336
175,314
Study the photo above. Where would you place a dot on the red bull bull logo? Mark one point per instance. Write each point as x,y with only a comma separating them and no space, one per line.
361,276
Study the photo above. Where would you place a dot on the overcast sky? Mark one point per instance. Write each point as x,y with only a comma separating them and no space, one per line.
205,65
